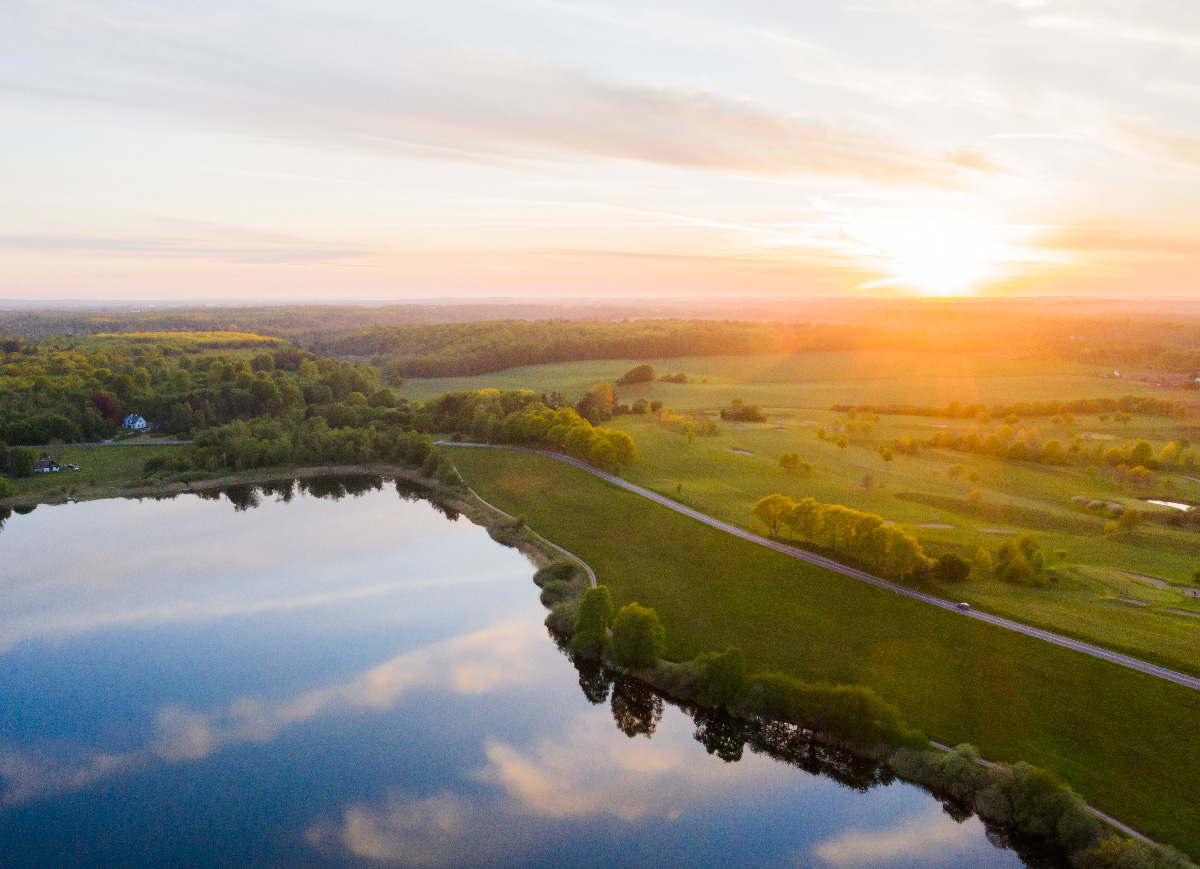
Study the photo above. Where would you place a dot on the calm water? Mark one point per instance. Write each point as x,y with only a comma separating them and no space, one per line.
332,678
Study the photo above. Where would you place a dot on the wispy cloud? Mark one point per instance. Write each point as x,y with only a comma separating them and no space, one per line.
413,97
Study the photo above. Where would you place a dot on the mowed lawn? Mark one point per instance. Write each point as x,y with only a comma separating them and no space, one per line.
817,380
1129,743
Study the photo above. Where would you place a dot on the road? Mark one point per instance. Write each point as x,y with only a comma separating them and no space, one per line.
828,563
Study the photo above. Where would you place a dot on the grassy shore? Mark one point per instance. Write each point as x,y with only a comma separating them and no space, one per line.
1127,742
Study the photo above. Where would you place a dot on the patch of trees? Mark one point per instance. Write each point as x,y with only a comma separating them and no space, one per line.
864,537
640,374
1034,802
1141,405
461,349
793,464
739,411
673,378
520,417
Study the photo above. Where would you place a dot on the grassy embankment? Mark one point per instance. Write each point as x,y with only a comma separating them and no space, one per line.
1127,742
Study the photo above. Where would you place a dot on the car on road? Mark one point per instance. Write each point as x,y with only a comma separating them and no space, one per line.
963,606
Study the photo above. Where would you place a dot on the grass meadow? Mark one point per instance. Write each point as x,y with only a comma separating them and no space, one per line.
818,380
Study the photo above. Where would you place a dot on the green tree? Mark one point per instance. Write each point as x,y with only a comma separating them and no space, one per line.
1142,454
1129,520
638,639
950,568
773,511
591,627
20,461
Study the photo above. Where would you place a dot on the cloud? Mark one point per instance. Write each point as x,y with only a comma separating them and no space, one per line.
492,659
1102,239
317,79
278,250
921,840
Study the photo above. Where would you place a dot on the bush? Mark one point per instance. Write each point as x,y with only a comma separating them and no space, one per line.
722,676
6,489
562,571
561,620
638,638
1118,853
556,591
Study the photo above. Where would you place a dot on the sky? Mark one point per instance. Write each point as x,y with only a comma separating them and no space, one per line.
389,149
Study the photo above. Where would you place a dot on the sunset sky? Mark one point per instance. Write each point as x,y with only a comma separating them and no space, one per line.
363,149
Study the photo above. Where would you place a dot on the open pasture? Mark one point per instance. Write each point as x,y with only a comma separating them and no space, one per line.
819,380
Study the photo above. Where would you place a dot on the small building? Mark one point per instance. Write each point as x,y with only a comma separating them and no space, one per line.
46,466
133,421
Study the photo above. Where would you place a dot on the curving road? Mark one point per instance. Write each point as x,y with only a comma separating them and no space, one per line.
830,564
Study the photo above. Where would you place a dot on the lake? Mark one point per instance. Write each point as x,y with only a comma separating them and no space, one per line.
338,673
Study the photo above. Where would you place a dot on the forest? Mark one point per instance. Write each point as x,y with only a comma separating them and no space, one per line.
444,340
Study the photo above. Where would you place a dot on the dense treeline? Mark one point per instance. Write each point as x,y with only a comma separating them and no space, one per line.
862,536
283,407
1130,404
521,417
460,349
1118,335
81,391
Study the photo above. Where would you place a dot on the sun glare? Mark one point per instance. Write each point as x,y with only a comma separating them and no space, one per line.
938,258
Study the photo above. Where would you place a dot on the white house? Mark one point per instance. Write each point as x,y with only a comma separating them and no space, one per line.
134,421
45,466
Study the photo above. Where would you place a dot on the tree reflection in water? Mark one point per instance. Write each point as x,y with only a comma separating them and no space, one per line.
334,487
637,708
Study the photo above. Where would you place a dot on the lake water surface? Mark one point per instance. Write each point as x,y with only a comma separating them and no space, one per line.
311,676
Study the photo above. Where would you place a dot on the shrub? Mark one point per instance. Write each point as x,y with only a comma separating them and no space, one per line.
638,637
6,489
556,591
1118,853
722,676
562,571
561,620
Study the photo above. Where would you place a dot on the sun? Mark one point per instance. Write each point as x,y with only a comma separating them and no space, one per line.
936,257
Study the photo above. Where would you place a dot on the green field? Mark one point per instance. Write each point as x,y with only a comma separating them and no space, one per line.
819,380
1098,606
101,468
1126,741
1095,598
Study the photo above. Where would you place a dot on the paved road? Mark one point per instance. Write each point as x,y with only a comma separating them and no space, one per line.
830,564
